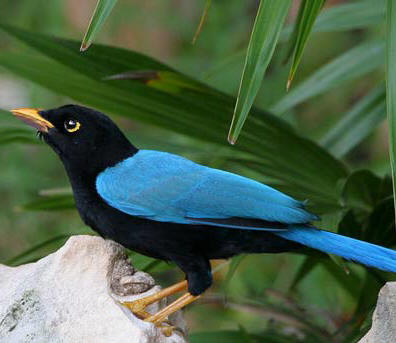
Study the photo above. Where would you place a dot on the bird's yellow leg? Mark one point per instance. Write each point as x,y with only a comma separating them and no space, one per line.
138,307
161,316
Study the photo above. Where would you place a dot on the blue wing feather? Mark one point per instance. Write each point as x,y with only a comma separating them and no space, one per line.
169,188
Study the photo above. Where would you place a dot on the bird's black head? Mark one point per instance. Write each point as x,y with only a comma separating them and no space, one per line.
85,139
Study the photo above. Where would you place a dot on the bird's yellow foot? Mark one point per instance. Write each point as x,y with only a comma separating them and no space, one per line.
161,315
138,307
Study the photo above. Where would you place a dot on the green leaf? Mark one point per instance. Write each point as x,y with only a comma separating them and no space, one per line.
346,16
350,16
351,225
14,134
356,124
101,12
309,9
354,63
390,77
149,264
306,267
361,190
156,266
265,34
50,203
349,281
197,111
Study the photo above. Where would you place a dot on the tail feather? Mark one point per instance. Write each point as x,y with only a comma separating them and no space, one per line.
349,248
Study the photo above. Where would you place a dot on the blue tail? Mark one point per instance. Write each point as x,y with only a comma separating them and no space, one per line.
349,248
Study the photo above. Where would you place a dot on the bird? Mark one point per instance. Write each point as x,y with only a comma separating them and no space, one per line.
165,206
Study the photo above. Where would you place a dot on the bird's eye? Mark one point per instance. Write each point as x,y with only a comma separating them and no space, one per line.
72,125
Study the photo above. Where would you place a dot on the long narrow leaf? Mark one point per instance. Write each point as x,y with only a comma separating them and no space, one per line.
346,16
49,203
9,134
354,63
267,27
101,12
391,84
357,123
309,9
306,267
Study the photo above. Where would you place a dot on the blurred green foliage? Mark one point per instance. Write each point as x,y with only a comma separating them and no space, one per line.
336,102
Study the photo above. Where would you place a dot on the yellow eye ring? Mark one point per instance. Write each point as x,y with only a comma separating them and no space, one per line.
72,125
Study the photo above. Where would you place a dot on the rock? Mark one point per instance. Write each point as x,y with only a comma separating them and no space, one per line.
383,329
71,296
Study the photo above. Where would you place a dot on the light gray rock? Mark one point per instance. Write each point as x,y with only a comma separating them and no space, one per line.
383,329
71,296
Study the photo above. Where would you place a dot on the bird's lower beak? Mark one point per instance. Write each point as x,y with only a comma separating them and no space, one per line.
32,117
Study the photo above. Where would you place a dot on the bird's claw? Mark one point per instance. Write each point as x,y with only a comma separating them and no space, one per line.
165,328
138,308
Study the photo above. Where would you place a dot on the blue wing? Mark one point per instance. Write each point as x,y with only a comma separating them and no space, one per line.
169,188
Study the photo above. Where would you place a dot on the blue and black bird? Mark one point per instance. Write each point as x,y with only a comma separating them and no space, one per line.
167,207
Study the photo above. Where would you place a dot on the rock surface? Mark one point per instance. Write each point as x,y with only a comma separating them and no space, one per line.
71,296
383,329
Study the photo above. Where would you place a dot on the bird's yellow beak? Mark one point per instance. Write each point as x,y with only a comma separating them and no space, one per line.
32,117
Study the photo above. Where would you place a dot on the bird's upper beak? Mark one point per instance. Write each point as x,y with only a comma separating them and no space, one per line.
32,117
